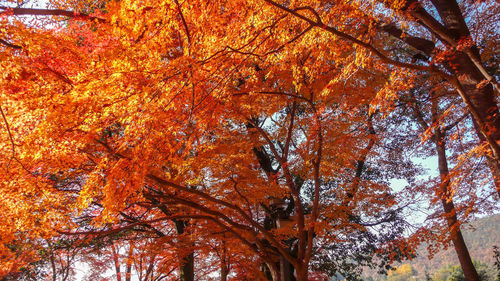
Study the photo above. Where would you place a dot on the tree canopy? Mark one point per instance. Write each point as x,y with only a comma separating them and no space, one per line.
247,139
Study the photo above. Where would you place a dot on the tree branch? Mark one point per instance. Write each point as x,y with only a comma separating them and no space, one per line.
320,24
48,12
10,45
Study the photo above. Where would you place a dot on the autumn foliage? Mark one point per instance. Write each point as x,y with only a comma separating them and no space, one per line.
239,139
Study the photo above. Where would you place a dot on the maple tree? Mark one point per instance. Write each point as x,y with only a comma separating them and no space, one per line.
462,189
445,191
254,138
456,59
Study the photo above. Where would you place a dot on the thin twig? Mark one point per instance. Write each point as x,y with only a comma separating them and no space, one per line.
10,137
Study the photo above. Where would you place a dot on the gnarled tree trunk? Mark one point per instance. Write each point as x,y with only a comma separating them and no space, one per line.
186,269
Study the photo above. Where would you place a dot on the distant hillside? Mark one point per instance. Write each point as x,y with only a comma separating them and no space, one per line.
480,237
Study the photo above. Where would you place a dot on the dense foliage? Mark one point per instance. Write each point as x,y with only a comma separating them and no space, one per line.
249,140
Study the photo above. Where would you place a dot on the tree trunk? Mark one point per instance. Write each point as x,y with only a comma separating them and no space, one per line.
275,274
117,263
186,268
149,271
52,261
223,272
224,266
286,270
53,264
448,206
128,274
301,272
